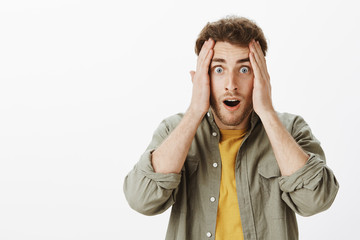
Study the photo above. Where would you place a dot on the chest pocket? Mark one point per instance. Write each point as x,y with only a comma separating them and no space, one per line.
269,174
268,177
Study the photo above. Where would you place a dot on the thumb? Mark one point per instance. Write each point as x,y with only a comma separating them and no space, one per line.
192,73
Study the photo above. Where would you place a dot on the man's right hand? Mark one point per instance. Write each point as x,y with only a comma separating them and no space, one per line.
200,100
170,156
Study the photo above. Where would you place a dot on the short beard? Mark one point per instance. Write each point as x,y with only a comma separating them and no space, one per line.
230,122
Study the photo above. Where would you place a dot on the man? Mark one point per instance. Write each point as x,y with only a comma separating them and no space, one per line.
232,167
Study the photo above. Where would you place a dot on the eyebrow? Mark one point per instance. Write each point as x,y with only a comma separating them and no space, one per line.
221,60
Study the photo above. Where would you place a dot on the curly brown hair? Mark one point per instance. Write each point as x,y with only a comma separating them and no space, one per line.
235,30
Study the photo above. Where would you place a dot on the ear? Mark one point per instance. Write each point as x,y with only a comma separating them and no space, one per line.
192,73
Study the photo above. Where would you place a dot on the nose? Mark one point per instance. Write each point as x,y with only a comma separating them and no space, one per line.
231,83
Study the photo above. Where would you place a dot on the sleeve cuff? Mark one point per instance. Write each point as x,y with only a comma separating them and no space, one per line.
164,180
307,177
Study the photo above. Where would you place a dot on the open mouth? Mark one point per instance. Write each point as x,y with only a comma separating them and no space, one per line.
231,103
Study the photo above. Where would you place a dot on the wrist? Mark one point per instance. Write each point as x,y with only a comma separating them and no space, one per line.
195,114
268,116
197,111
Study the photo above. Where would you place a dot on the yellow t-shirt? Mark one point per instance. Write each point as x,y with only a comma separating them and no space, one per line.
228,223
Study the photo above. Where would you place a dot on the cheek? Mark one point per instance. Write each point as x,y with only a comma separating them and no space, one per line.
215,85
247,86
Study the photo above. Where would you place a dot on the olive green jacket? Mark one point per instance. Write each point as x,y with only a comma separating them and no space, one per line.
267,201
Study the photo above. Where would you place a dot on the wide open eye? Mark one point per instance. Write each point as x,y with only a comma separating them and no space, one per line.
244,70
218,69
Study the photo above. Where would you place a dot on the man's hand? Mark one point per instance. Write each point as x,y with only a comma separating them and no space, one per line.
262,89
170,156
200,100
289,155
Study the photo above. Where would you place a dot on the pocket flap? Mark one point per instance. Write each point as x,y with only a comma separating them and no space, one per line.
269,168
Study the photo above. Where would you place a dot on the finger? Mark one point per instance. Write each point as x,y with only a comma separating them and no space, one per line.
203,60
263,59
258,71
260,52
255,49
258,45
254,65
260,60
203,51
259,81
204,67
258,78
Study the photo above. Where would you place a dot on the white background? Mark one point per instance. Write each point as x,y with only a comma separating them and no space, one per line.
83,85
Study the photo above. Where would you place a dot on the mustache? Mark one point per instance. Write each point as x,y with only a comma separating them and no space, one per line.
232,94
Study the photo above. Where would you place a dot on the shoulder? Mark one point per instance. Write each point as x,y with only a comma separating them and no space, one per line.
172,121
289,119
165,127
169,123
296,126
293,122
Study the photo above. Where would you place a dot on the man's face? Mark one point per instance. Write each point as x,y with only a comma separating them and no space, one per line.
231,78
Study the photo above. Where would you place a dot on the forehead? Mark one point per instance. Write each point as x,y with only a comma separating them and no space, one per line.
230,51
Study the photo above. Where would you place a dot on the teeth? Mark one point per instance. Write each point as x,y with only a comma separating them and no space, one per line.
231,100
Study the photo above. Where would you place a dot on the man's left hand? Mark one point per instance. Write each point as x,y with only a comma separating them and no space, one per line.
262,102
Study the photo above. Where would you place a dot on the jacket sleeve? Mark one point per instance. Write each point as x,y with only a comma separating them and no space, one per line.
311,189
148,192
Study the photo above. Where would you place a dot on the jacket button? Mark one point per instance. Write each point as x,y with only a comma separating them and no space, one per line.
212,199
215,165
208,234
214,134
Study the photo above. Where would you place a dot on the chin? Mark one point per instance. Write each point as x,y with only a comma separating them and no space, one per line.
231,118
232,121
